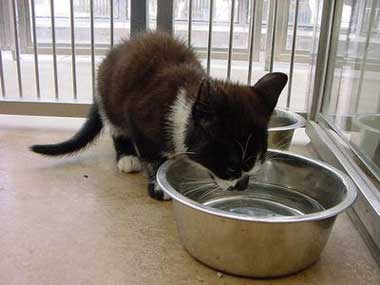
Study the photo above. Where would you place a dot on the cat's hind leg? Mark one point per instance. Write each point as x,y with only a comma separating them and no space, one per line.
126,157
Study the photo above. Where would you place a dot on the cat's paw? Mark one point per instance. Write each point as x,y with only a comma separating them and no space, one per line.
129,163
157,193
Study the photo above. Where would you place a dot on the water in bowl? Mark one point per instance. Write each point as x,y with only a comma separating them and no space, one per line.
263,200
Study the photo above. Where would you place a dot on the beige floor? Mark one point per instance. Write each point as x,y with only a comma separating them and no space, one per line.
59,227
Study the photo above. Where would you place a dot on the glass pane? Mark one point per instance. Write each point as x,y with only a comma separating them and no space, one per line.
352,103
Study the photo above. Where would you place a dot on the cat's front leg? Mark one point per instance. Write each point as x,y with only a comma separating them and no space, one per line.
126,157
154,189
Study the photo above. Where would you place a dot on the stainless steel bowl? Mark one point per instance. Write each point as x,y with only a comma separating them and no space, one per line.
278,226
367,138
281,128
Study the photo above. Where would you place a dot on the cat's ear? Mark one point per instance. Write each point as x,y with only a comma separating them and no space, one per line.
269,88
202,111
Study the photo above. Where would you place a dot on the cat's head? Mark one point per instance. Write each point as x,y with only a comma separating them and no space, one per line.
228,132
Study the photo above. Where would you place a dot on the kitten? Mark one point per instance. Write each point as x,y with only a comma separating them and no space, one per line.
158,101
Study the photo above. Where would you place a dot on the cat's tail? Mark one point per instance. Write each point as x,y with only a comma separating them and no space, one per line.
87,133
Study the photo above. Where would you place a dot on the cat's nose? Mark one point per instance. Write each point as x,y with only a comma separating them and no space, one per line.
242,183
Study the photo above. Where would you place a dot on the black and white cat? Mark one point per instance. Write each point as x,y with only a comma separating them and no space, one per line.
159,102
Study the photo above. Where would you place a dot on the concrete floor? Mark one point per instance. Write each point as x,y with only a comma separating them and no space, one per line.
58,226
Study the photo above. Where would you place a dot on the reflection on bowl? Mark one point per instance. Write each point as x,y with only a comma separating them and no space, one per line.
281,128
367,139
278,226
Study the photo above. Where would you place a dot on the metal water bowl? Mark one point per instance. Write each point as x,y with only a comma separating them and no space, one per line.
278,226
367,139
281,128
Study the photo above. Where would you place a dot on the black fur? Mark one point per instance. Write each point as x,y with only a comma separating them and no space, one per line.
228,128
123,147
139,81
89,131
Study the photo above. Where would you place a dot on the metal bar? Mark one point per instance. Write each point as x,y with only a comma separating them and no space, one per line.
111,24
139,16
165,16
15,27
92,46
52,17
73,58
251,43
2,82
371,23
190,22
258,27
273,40
327,48
291,70
230,43
24,27
209,43
35,51
51,109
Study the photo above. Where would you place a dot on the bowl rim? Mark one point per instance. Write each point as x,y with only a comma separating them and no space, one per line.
348,200
300,121
357,119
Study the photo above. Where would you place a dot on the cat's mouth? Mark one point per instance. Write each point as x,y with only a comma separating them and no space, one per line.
238,184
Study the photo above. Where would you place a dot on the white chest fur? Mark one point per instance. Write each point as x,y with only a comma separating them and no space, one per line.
178,120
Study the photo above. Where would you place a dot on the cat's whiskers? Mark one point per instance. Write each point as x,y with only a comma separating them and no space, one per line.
183,152
280,143
190,183
209,191
246,145
242,149
196,189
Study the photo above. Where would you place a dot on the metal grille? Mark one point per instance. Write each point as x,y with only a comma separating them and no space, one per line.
56,41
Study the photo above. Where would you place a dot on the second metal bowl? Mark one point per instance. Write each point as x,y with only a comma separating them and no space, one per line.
281,128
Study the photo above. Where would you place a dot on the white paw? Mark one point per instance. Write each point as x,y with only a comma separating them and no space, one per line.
157,193
129,163
166,197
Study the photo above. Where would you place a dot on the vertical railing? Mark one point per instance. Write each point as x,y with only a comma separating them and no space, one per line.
165,15
209,41
230,43
92,46
35,50
17,48
292,56
273,38
251,42
139,16
251,54
54,46
73,56
190,22
2,81
111,24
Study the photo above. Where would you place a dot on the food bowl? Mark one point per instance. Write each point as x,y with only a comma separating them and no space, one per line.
281,128
278,226
367,139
